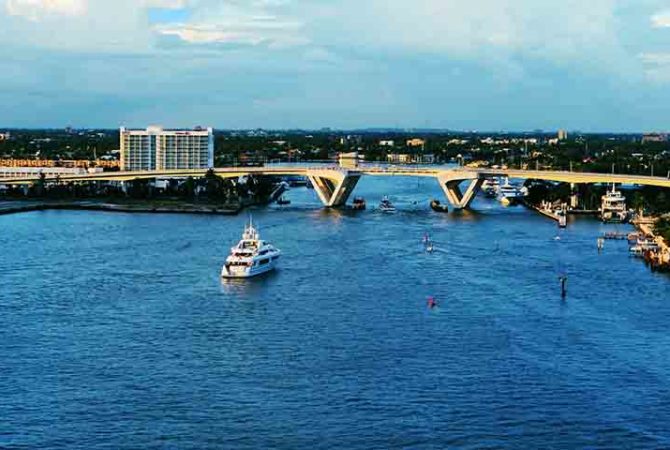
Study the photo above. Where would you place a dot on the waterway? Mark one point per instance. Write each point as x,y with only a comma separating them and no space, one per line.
116,331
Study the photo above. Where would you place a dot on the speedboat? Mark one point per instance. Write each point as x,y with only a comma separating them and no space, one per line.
386,205
509,194
251,256
358,204
435,205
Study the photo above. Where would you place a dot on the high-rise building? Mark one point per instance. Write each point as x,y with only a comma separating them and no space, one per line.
562,135
159,149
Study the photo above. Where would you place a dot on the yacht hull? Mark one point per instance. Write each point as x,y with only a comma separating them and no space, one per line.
246,272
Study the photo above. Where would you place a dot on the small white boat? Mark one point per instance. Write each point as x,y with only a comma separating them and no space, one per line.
251,256
386,206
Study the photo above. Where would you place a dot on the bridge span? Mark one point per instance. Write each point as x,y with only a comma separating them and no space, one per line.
334,184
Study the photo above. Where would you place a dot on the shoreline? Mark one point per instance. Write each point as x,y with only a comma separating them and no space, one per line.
658,260
186,208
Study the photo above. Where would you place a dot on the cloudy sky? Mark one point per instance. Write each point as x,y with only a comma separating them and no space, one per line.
593,65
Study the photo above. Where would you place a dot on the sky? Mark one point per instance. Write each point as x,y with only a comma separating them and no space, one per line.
484,65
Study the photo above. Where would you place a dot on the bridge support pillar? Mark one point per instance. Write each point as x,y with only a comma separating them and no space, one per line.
333,186
452,190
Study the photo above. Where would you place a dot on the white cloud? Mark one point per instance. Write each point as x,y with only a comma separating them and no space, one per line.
661,20
239,23
38,9
253,32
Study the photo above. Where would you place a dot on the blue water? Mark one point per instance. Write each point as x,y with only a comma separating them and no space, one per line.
116,332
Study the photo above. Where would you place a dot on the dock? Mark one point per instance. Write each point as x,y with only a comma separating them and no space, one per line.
658,260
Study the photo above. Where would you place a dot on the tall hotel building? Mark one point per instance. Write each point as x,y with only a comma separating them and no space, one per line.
159,149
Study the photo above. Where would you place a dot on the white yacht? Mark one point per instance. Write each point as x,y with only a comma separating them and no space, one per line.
386,205
510,194
251,256
613,207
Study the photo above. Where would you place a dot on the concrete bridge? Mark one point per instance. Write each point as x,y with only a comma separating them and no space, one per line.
334,184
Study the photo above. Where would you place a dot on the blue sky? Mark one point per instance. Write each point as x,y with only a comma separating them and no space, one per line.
597,65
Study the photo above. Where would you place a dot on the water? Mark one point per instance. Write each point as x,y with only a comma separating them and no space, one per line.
116,332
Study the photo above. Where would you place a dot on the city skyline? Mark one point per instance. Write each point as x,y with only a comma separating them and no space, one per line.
282,64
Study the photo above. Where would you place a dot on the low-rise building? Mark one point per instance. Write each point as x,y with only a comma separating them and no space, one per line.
416,142
348,160
410,158
49,172
654,137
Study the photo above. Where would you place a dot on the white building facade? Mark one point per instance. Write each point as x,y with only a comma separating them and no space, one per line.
159,149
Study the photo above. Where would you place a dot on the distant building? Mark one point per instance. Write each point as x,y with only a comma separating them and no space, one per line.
407,158
416,142
49,172
351,140
159,149
654,137
348,160
386,143
61,163
4,136
562,135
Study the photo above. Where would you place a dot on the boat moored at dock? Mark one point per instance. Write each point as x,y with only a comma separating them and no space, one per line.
613,207
490,187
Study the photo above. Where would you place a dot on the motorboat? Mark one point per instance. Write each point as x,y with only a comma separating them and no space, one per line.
435,205
251,256
386,206
613,207
509,194
358,204
490,187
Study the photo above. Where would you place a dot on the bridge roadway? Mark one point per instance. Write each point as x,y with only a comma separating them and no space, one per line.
334,184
